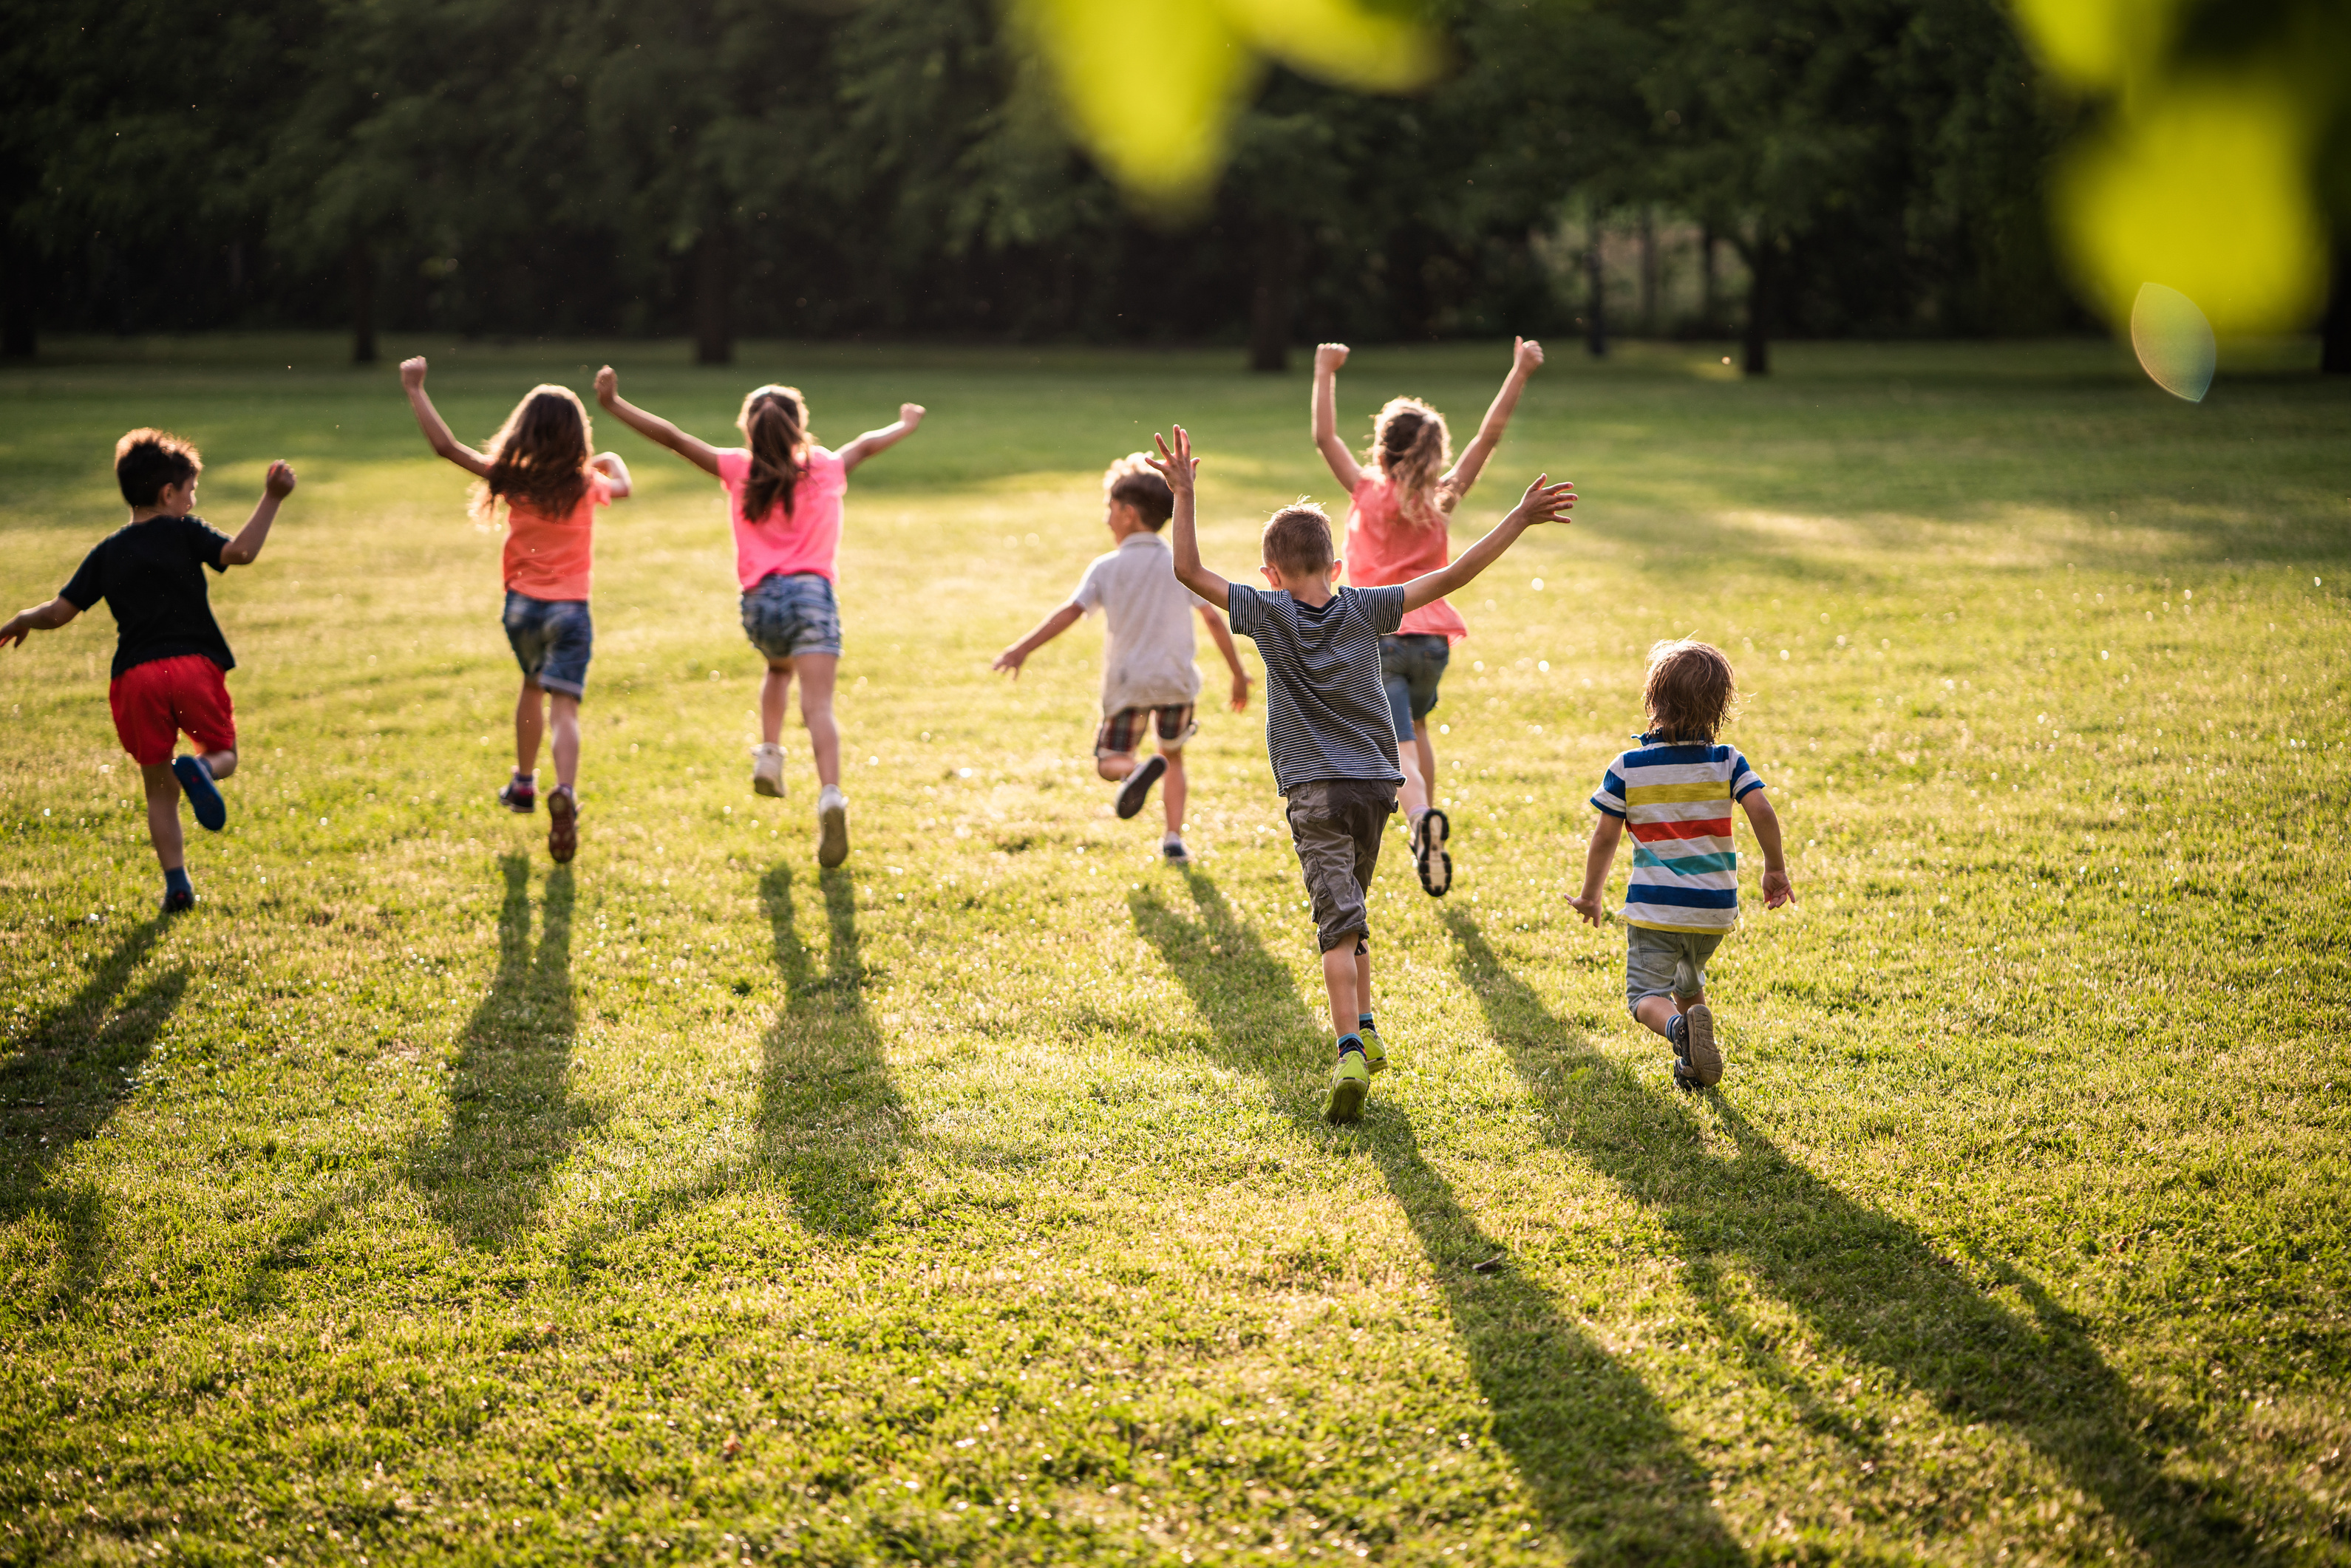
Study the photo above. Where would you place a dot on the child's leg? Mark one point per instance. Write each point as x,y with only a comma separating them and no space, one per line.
775,696
1342,973
1425,753
817,672
1116,766
530,724
1658,1013
1173,790
220,764
164,813
1414,796
566,723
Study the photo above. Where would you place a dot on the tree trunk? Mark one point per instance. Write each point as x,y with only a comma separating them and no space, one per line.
2334,333
714,297
1708,306
1595,316
361,267
1649,271
16,337
1763,261
1273,298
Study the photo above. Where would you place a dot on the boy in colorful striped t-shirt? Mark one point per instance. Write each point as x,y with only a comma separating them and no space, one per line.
1675,789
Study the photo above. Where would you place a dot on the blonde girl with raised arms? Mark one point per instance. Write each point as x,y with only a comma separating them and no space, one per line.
785,495
1401,498
537,466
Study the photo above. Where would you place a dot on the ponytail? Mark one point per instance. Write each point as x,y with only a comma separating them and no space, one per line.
774,423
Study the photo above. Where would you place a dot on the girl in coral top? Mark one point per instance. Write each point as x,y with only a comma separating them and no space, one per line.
784,492
537,464
1401,498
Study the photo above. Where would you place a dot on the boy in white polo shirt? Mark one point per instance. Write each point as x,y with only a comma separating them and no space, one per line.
1149,679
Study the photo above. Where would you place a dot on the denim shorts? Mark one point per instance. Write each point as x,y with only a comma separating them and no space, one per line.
1411,663
1665,963
551,639
786,614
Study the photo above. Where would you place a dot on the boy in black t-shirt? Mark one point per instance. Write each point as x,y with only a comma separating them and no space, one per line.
168,654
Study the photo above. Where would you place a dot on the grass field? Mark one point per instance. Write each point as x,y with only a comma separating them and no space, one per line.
414,1199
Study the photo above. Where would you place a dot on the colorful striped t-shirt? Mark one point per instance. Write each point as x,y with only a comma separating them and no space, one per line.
1677,801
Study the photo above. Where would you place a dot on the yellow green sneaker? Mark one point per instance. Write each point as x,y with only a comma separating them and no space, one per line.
1375,1051
1349,1086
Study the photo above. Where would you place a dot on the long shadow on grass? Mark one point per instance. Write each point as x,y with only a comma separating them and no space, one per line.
70,1071
830,1117
511,1114
1865,1282
1591,1442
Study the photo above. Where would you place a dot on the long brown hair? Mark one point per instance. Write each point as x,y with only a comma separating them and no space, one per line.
1412,449
774,427
539,458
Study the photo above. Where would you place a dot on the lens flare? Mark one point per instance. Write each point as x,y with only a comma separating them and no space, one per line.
2173,341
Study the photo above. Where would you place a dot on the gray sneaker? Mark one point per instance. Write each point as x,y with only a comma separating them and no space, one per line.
1698,1047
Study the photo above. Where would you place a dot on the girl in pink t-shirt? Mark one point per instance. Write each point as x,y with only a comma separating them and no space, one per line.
1401,497
784,492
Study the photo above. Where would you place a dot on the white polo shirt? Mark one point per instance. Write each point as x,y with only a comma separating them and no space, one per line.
1147,656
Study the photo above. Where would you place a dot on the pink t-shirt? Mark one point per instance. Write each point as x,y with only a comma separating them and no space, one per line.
1384,548
806,539
548,558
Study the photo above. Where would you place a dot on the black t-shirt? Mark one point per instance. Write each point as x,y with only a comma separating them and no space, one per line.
151,575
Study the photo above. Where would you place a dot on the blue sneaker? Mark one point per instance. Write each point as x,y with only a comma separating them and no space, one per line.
203,795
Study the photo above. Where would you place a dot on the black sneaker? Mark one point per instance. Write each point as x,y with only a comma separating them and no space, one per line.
175,900
1428,857
520,795
1137,788
1173,852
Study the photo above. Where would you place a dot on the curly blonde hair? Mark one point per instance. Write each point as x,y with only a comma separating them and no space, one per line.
1411,449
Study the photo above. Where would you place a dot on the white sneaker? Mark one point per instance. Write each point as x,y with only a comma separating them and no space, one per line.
767,770
832,827
1172,851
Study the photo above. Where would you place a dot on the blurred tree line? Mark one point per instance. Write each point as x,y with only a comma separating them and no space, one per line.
812,169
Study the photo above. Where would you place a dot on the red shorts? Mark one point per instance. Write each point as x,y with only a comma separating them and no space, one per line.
153,701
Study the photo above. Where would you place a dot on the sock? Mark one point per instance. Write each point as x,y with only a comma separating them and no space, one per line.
1349,1042
1678,1032
176,881
1363,1021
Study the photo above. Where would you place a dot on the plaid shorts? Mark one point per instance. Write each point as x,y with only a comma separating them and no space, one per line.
1121,732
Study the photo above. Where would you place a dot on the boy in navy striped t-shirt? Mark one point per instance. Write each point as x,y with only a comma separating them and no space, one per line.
1327,728
1676,791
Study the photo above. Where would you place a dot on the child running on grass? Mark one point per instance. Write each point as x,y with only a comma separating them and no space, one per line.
537,464
1149,678
170,659
1400,499
784,492
1327,728
1675,789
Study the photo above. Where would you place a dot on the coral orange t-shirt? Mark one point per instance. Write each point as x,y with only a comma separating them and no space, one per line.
1384,547
548,558
805,539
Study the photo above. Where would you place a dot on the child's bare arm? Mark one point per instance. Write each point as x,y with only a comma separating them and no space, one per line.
652,426
275,487
616,474
1597,859
40,618
1053,626
1542,503
1324,411
436,428
1222,636
910,419
1177,466
1777,889
1526,354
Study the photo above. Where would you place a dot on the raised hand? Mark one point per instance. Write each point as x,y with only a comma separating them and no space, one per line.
1544,503
608,385
1526,356
280,481
910,414
1329,357
411,372
1175,464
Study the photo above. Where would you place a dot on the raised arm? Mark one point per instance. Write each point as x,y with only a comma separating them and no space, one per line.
1542,503
275,485
652,426
1053,626
1526,355
1221,635
1176,466
1328,358
616,474
909,418
436,428
40,618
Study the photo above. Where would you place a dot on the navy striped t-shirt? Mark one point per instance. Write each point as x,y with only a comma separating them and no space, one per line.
1326,714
